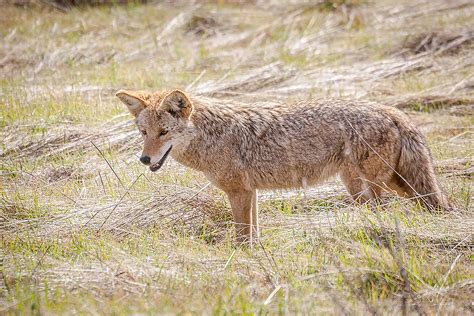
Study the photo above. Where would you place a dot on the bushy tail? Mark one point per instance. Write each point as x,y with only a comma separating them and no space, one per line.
415,166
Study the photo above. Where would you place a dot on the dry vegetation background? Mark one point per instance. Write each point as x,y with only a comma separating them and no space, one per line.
86,229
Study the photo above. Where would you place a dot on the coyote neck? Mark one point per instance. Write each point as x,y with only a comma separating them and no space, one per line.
208,123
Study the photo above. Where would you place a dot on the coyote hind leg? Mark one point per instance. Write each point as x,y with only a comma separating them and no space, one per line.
360,188
373,176
397,185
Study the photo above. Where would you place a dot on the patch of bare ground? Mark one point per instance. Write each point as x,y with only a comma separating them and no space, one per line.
201,25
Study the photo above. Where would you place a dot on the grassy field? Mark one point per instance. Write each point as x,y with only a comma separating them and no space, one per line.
86,229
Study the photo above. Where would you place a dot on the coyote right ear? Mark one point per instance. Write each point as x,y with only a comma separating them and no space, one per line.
133,100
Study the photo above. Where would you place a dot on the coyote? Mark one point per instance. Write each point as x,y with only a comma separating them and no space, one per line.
242,148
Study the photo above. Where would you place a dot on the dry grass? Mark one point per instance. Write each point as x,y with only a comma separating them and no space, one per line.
85,229
438,42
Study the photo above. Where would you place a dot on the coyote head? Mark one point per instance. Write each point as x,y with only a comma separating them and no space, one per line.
161,118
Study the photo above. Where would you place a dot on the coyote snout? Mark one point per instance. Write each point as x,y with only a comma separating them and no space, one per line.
156,164
145,160
242,148
158,156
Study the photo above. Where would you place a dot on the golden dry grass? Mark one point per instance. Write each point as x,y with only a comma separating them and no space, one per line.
85,229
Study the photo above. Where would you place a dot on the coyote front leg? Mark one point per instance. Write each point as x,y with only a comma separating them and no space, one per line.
244,217
255,228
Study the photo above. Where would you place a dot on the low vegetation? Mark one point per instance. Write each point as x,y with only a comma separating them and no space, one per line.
86,229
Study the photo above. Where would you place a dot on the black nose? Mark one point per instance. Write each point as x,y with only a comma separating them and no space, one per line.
145,160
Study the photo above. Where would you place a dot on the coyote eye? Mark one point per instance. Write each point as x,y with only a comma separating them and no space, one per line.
163,133
143,132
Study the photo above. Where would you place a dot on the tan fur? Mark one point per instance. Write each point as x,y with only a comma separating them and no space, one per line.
242,148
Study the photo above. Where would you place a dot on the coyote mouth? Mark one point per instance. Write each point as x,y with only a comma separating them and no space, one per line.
156,166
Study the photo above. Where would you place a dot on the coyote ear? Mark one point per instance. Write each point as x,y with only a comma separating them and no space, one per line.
133,100
177,103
